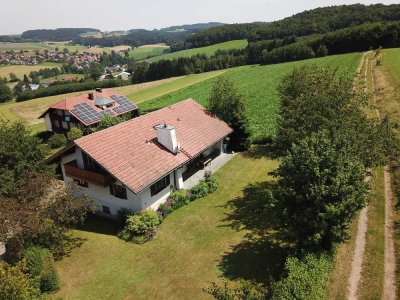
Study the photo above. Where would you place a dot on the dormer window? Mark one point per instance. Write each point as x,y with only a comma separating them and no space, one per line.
104,103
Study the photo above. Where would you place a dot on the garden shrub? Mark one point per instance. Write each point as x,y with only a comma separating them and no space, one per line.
34,260
123,214
165,209
200,190
49,280
57,140
306,278
16,284
141,226
74,134
181,198
212,185
40,264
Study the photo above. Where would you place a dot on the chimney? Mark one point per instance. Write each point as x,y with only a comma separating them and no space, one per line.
99,90
166,136
91,96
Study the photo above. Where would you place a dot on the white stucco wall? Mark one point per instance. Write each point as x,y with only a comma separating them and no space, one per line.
156,200
47,122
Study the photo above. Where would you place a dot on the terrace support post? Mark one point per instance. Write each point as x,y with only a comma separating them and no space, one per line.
179,179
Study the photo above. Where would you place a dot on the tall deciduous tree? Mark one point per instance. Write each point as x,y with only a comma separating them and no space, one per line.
229,105
20,154
320,190
328,146
5,92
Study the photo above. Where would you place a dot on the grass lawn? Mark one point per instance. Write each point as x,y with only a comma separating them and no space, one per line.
209,50
339,277
372,274
147,51
213,237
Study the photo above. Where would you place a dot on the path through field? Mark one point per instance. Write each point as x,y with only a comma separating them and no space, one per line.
389,261
356,264
380,82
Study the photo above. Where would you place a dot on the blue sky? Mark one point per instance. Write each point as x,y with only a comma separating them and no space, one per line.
18,16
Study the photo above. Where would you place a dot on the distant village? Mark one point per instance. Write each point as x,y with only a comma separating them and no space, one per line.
76,59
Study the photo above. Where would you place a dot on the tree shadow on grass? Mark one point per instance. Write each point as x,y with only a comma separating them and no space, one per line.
261,256
260,151
68,244
101,225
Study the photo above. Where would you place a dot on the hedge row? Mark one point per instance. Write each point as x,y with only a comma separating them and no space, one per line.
70,88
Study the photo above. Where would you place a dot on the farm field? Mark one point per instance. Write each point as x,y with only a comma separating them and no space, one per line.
209,50
30,48
197,244
62,76
146,51
20,70
29,111
146,94
258,84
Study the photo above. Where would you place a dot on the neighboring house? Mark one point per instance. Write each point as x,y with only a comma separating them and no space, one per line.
124,75
86,110
136,164
33,87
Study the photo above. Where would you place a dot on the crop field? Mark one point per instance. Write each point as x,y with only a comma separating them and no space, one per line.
147,51
62,76
209,50
29,48
20,70
258,84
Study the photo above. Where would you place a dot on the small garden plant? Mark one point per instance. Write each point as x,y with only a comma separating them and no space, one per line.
141,227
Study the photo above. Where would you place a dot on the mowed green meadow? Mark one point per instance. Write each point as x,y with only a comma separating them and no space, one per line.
391,60
21,70
259,86
146,51
209,50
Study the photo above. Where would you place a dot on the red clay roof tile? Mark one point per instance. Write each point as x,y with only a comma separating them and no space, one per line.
130,152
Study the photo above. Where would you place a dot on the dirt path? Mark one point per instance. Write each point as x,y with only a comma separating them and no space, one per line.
356,264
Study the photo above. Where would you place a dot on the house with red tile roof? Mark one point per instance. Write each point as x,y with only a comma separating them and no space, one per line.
137,163
86,110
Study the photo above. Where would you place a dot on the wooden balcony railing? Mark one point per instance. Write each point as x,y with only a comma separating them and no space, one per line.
72,170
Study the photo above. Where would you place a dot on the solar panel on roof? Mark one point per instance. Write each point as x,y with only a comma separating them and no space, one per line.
89,115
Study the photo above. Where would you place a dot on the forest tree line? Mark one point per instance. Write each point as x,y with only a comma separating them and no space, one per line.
316,21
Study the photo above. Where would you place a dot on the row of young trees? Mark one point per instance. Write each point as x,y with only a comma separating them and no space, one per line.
222,59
